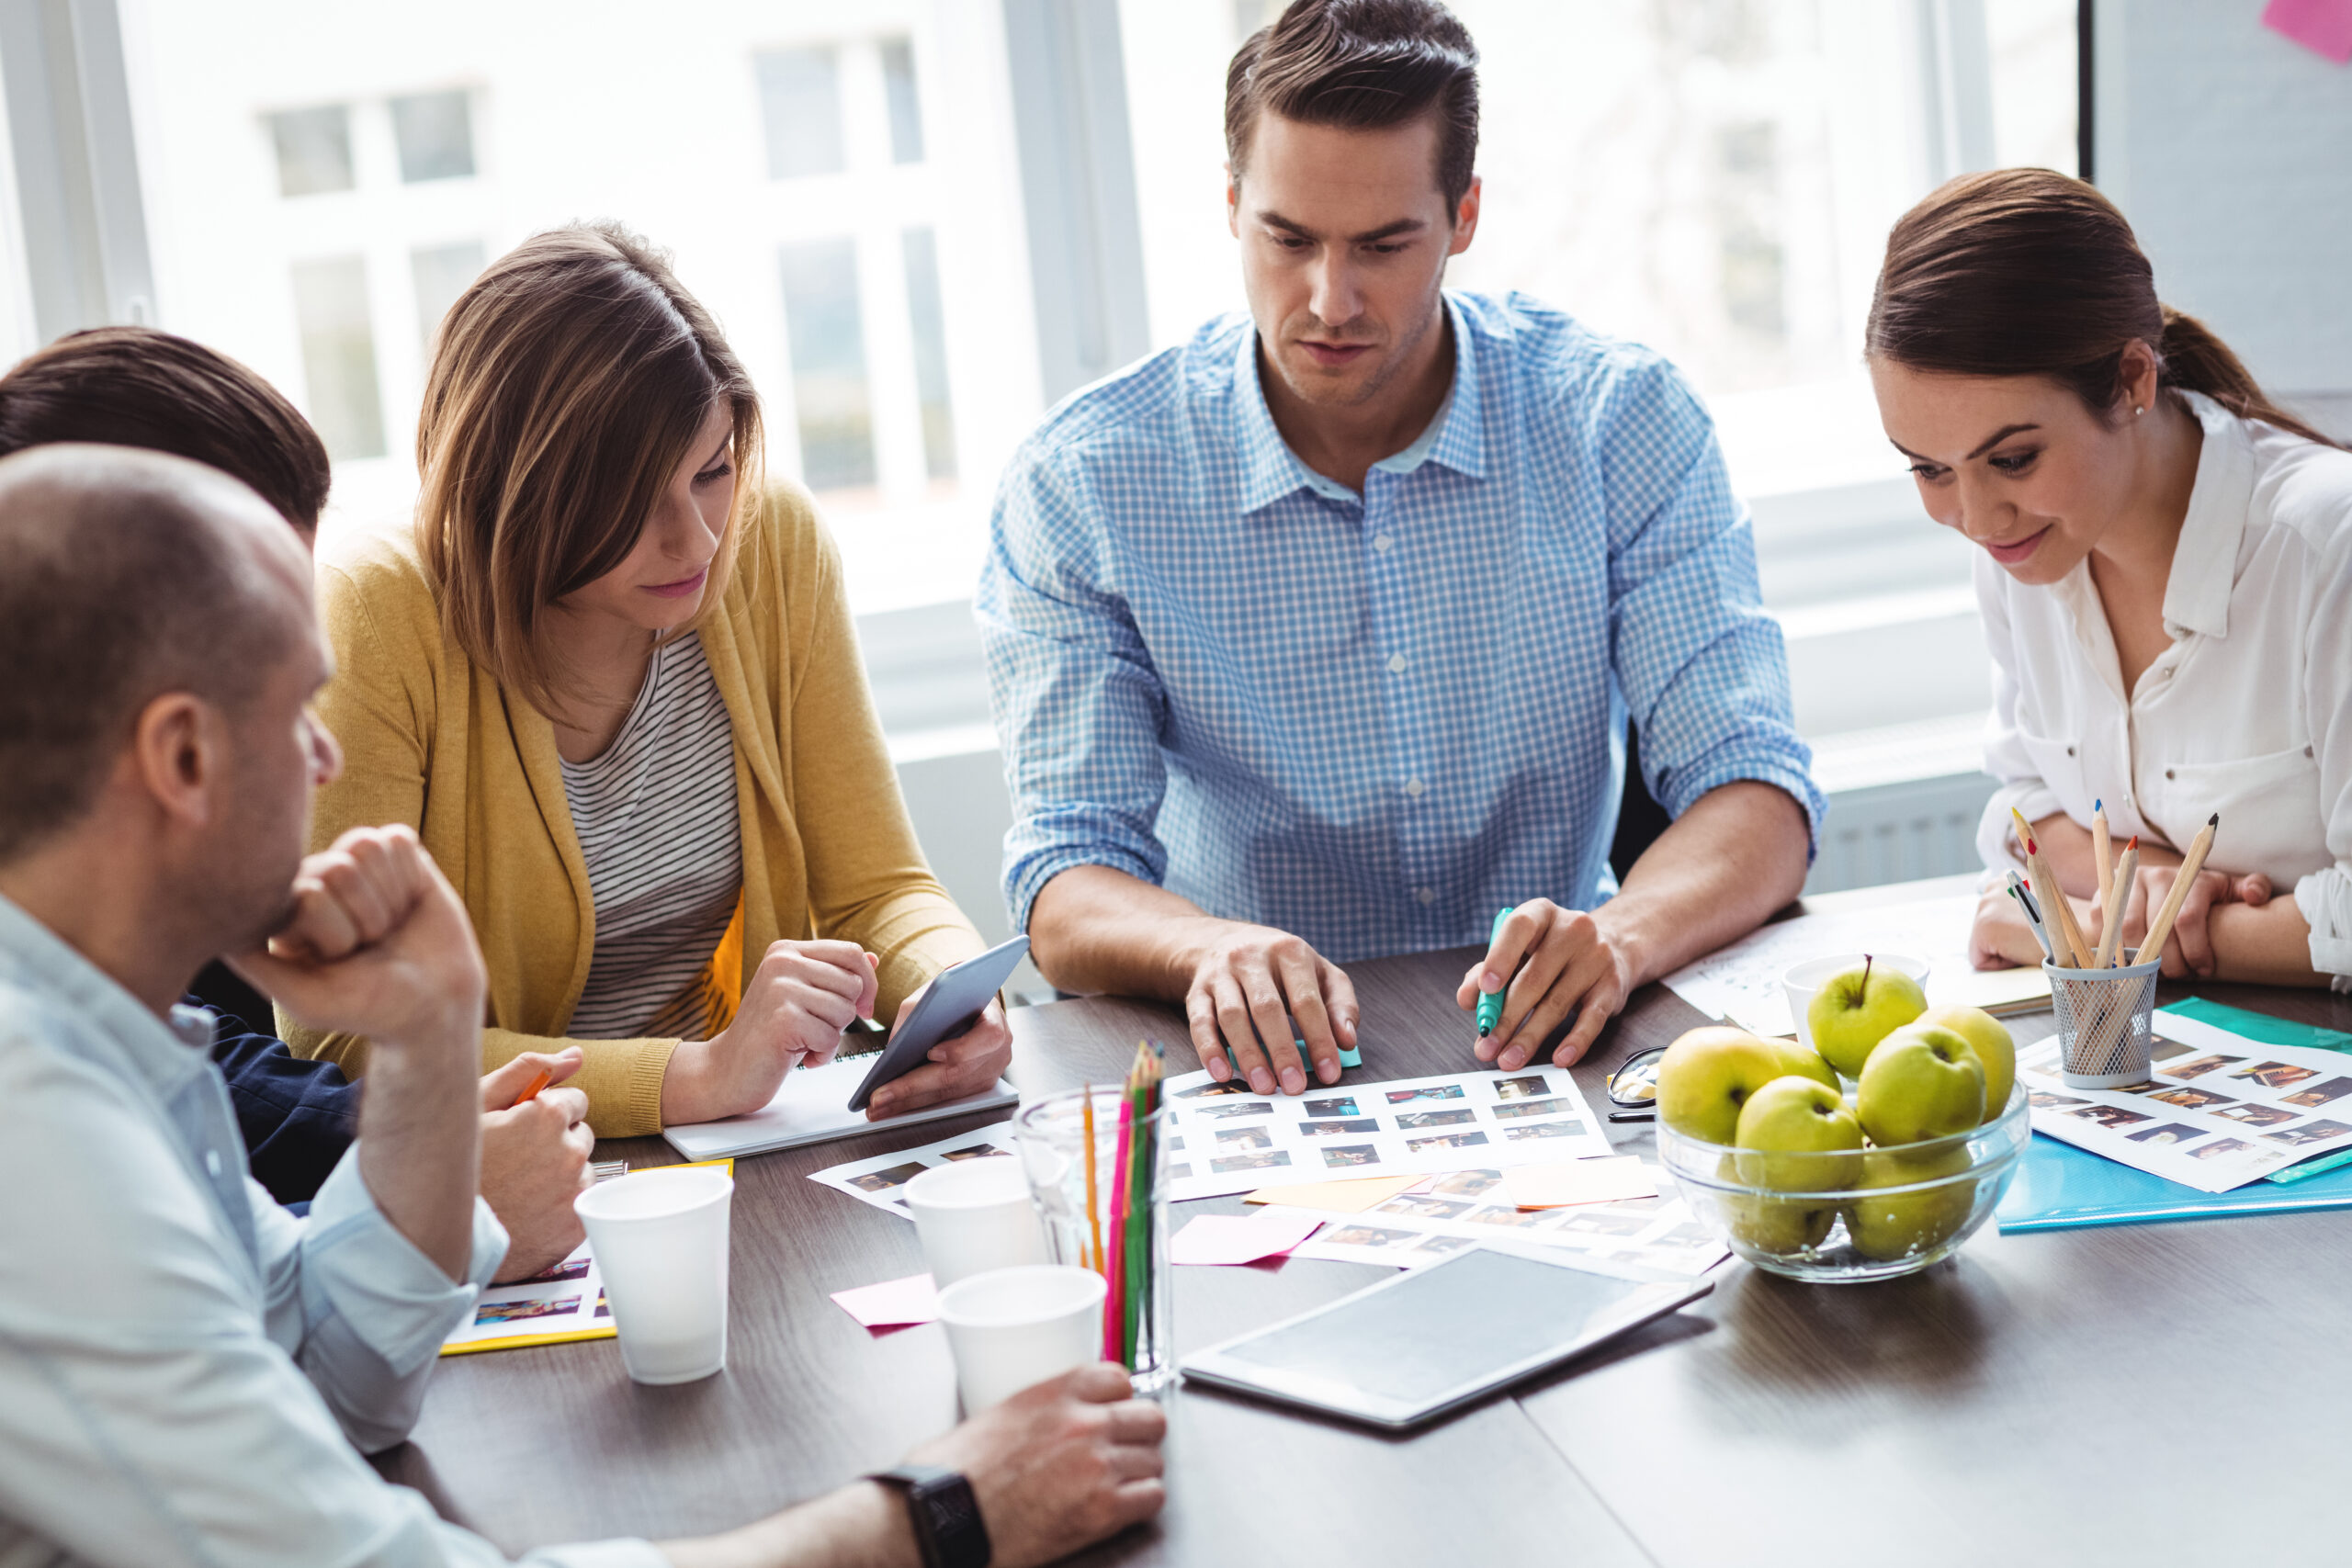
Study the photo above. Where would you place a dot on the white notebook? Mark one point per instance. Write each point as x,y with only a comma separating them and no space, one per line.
813,1108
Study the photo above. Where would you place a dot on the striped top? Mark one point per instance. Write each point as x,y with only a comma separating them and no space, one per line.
657,824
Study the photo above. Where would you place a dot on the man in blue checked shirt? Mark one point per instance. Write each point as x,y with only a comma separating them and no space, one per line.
1316,639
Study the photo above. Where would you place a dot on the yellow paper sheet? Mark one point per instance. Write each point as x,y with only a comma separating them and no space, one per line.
1580,1181
1339,1197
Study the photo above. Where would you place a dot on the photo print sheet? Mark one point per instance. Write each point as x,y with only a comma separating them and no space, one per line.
1466,1208
1228,1140
564,1302
882,1180
2219,1110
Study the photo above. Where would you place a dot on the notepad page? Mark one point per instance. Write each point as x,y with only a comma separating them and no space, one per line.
812,1107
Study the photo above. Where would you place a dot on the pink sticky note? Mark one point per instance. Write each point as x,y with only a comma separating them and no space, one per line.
1241,1238
893,1303
2323,26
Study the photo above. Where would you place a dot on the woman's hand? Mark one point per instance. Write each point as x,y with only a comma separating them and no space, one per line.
803,996
963,1064
2001,939
2189,949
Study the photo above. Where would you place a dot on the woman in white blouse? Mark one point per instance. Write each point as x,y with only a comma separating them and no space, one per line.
2166,576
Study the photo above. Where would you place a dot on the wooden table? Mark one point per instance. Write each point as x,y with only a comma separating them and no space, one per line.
2135,1396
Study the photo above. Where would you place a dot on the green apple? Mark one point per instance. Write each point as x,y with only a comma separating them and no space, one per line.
1995,1052
1921,1082
1707,1075
1909,1223
1781,1227
1795,1136
1805,1063
1853,1011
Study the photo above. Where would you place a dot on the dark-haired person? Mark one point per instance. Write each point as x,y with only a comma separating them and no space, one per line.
142,388
612,682
187,1372
2166,575
1316,639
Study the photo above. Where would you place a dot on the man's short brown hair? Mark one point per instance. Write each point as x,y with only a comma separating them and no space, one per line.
140,386
121,579
1362,65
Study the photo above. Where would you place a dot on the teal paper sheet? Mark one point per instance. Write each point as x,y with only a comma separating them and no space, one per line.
2060,1187
2261,1027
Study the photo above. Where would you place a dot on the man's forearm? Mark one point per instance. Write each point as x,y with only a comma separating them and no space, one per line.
420,1144
1736,855
1093,929
860,1526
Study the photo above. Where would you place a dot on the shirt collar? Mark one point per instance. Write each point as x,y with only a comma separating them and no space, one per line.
1270,470
166,1055
2205,560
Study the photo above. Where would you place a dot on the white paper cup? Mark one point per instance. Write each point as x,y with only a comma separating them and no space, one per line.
1804,980
659,1241
974,1215
1013,1328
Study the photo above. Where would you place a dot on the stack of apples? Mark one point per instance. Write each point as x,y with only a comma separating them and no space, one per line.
1922,1074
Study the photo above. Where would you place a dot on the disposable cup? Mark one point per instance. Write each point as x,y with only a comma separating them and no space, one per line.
1013,1328
1803,981
659,1241
974,1215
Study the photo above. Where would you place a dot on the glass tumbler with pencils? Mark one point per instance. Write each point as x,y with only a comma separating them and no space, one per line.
1099,1166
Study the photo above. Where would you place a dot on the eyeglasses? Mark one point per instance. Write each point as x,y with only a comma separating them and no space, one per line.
1633,1088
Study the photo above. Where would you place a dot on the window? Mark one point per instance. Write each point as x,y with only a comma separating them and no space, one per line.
829,386
314,150
440,273
931,353
906,112
434,133
801,103
339,356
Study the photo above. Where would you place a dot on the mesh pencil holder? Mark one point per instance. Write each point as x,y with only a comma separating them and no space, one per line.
2106,1024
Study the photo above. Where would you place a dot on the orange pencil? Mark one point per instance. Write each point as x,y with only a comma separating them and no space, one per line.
1094,1216
537,1084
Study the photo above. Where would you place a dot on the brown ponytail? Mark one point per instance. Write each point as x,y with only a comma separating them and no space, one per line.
2024,272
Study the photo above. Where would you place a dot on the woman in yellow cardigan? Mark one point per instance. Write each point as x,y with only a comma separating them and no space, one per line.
612,682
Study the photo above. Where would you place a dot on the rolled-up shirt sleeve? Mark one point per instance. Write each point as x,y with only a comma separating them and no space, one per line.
1703,668
1078,704
2020,786
147,1418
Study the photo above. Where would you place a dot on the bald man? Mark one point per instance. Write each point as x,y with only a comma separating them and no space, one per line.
185,1368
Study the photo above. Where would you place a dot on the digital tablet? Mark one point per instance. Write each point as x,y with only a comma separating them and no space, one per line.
1411,1348
950,1006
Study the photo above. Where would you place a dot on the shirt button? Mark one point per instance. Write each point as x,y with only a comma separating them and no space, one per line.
2168,773
1413,787
1395,664
1381,542
213,1163
1426,894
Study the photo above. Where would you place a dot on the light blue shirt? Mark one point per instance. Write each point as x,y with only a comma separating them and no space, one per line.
1374,719
187,1372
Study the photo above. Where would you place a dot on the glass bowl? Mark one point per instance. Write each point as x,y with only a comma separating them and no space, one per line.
1845,1218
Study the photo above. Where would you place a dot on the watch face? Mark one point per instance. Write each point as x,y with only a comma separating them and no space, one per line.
950,1515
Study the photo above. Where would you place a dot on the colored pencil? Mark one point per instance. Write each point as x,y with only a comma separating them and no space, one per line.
2102,846
1114,1302
1093,1213
2054,896
538,1083
2160,929
2119,895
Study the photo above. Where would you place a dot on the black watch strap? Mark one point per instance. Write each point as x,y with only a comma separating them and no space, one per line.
946,1515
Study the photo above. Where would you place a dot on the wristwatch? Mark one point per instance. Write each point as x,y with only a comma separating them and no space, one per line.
946,1515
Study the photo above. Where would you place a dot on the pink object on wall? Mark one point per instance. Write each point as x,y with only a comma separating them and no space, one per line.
2323,26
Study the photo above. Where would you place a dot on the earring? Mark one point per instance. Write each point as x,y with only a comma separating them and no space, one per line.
2137,411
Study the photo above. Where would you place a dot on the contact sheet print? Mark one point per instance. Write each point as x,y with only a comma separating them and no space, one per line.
1228,1140
1465,1208
2218,1110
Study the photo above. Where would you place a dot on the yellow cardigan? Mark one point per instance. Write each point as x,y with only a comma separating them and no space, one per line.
430,739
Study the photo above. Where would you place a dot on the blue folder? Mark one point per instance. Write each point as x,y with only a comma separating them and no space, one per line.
2060,1187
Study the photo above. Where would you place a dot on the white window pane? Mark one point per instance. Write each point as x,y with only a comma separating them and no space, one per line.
800,102
314,150
828,382
441,273
906,109
435,134
339,356
930,332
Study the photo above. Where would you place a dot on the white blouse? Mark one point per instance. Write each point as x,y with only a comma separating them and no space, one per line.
2248,714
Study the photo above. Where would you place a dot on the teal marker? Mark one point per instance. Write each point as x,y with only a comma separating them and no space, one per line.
1491,1003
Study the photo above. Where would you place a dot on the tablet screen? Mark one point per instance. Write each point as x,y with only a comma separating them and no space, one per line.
1461,1322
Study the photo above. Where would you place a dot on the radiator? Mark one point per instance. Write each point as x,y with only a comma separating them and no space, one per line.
1900,832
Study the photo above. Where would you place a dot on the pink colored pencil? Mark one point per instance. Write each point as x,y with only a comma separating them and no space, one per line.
1114,1304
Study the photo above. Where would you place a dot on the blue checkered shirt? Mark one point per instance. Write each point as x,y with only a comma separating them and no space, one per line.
1373,719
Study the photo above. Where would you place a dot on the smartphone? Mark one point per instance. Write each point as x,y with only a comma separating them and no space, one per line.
952,1005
